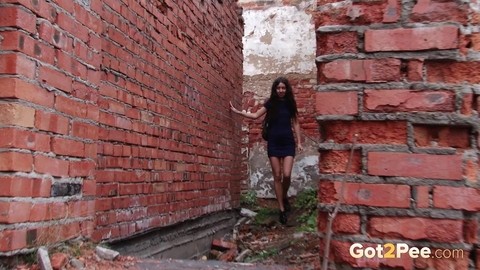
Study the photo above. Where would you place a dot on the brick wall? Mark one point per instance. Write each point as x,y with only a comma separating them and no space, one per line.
403,76
114,117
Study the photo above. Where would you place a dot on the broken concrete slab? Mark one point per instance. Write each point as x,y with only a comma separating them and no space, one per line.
106,254
44,259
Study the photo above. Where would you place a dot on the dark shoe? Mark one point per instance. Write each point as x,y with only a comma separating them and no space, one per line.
283,217
286,205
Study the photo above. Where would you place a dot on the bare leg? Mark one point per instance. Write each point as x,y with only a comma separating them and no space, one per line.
275,162
287,175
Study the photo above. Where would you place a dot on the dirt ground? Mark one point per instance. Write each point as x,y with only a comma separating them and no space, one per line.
274,243
255,243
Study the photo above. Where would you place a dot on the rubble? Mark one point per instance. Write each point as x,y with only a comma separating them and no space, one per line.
268,242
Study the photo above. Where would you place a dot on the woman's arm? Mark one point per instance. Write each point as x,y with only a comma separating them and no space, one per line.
254,115
296,127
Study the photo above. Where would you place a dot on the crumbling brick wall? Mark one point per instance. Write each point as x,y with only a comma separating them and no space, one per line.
114,116
403,76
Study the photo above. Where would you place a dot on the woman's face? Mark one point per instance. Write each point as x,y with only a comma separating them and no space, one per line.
281,90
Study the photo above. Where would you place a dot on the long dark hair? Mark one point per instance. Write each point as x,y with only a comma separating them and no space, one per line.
289,98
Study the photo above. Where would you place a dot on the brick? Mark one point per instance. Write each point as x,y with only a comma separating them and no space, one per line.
17,64
416,228
56,79
472,170
433,11
15,16
13,239
21,42
357,13
337,43
433,38
423,197
381,70
408,101
59,260
43,53
70,106
65,62
67,5
467,104
441,136
67,147
336,103
475,40
40,7
51,166
81,168
448,167
89,188
19,89
15,161
343,223
344,70
70,25
17,138
415,70
13,41
85,92
91,150
14,212
16,114
88,19
55,36
220,243
15,186
378,195
453,72
39,212
84,130
336,162
456,198
44,9
391,12
51,122
369,132
471,227
81,208
95,44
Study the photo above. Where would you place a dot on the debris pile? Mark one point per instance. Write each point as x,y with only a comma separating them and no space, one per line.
265,241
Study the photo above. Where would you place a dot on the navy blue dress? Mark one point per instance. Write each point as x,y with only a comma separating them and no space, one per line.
280,140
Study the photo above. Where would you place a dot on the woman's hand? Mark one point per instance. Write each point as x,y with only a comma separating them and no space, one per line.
233,108
300,147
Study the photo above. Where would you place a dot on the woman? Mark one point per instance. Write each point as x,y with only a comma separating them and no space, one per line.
281,110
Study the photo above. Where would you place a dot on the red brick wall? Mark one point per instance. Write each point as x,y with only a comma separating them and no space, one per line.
402,76
114,117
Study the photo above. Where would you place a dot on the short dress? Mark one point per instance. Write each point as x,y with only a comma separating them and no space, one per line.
280,140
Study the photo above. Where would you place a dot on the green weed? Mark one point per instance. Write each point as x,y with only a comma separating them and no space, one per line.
262,255
264,215
307,200
248,198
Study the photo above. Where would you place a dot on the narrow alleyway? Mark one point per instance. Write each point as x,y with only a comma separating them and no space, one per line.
259,243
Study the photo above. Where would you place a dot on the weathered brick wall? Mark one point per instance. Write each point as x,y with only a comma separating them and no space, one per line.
114,116
279,40
165,147
402,75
